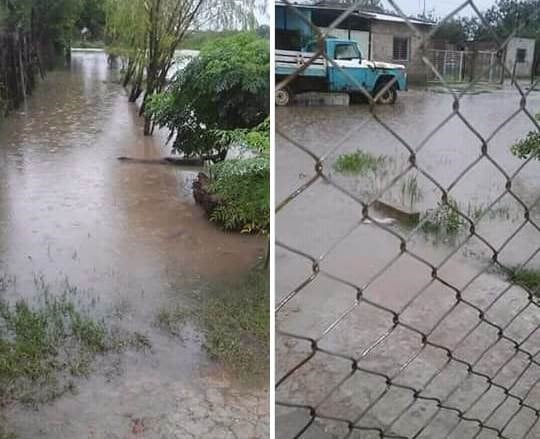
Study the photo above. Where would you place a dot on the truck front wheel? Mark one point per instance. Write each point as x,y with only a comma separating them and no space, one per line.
283,97
389,97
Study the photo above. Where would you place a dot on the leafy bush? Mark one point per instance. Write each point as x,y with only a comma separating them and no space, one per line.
528,147
242,186
243,190
225,88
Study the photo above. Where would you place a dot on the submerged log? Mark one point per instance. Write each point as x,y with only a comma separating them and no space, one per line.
164,161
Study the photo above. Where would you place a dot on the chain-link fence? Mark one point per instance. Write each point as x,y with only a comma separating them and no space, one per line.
408,247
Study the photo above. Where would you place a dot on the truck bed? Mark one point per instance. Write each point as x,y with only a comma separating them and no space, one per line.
289,61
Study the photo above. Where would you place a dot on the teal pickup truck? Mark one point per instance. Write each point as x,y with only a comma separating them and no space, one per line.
344,74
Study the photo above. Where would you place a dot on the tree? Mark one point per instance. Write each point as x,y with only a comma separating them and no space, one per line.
92,16
458,30
34,33
225,88
149,32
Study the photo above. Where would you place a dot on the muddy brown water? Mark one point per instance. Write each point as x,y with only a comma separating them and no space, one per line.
129,235
325,223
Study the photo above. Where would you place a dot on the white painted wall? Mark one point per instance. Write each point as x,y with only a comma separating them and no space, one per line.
523,70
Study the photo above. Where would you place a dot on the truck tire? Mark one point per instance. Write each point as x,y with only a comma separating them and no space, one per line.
284,97
389,97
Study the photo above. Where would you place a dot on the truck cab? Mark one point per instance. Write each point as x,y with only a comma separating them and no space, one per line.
343,69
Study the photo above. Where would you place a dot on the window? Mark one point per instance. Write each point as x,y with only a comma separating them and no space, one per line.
521,55
346,52
401,49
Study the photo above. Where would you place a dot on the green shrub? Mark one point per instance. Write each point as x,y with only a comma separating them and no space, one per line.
242,188
226,87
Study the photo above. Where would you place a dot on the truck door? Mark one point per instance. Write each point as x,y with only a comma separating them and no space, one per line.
347,56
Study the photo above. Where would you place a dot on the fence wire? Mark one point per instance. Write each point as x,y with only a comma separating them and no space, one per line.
397,368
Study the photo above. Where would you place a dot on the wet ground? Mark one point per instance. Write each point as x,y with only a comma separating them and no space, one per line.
132,237
319,302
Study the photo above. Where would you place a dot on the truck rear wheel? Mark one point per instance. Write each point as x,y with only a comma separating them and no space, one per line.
283,96
389,97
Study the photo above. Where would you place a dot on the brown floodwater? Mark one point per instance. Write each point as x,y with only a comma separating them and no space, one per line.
325,224
130,235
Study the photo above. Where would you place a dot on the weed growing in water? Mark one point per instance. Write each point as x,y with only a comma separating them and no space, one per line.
527,278
411,191
358,163
44,346
444,220
478,211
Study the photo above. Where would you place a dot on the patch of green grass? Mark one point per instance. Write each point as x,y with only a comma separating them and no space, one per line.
527,278
235,320
43,346
358,163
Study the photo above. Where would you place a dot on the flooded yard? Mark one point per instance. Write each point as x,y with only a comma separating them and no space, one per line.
364,306
130,238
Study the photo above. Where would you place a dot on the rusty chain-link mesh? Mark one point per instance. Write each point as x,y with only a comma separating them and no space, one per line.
458,356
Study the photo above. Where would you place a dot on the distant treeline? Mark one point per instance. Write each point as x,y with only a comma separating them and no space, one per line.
197,39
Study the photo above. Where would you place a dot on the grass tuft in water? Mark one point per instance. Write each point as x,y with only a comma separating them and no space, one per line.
358,163
411,192
444,220
527,278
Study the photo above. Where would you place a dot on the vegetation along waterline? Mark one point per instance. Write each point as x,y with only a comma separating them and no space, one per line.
235,323
46,344
220,101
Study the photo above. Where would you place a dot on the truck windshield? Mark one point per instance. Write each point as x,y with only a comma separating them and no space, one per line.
346,52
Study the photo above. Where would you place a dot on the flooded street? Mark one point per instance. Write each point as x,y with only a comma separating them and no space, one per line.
330,260
131,236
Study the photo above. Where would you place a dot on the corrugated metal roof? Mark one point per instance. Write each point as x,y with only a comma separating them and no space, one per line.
362,13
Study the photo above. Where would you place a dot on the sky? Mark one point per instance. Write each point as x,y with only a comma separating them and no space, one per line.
440,7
